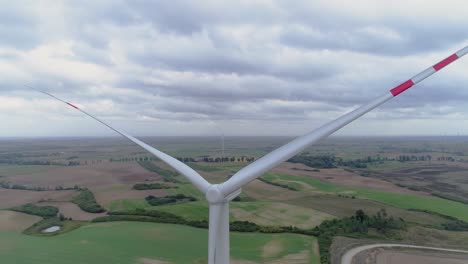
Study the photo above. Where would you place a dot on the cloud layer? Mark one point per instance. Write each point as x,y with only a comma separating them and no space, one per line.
244,67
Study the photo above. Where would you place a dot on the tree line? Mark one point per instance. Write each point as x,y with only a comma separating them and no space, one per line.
169,199
331,161
152,186
207,159
8,185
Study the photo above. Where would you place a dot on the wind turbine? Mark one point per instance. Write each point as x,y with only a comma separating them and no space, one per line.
219,195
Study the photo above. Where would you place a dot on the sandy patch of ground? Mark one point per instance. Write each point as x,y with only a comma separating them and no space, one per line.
72,210
316,248
240,261
10,198
417,257
341,177
298,258
151,261
272,248
14,221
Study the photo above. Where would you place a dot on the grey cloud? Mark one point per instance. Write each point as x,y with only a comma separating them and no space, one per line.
18,28
188,17
221,61
245,61
401,39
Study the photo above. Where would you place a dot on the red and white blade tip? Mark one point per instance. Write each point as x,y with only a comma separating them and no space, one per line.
428,72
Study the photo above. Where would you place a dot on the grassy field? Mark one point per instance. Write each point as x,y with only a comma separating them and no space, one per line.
130,242
407,201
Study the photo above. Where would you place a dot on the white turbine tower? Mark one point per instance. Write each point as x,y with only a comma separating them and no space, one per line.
219,195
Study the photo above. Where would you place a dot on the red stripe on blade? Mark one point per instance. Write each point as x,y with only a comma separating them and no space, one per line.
445,62
74,106
402,87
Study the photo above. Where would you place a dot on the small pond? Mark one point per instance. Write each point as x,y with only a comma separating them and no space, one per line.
51,229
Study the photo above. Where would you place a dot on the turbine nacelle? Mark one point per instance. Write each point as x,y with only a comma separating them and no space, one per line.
214,195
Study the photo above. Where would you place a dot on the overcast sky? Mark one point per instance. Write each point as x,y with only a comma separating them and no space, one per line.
243,67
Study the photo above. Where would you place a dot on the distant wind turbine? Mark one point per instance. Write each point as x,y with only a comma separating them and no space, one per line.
219,195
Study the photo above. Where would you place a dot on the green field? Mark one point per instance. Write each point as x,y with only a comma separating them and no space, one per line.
129,242
407,201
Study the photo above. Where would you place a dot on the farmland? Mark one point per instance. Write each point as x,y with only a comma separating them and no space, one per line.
361,174
125,242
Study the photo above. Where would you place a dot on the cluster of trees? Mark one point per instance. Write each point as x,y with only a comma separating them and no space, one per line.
285,186
42,211
444,158
151,186
155,201
456,225
404,158
167,175
74,163
323,162
347,196
86,201
357,225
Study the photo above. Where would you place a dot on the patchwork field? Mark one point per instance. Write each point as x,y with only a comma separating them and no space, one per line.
129,242
368,174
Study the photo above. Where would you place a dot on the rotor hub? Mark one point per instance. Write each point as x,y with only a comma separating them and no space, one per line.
214,194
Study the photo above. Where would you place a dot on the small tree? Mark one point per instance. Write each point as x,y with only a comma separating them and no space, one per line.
361,216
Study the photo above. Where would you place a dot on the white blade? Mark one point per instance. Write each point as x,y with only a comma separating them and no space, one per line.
179,166
276,157
213,231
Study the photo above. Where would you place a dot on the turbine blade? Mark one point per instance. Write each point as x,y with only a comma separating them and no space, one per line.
191,175
283,153
213,230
